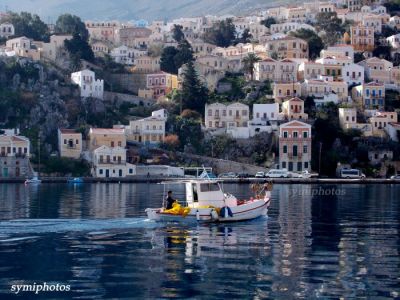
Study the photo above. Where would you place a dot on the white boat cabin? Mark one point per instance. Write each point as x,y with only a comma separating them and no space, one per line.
207,193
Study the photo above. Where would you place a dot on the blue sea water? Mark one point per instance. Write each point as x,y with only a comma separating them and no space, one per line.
318,242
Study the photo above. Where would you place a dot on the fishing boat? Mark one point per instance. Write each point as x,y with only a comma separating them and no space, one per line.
206,202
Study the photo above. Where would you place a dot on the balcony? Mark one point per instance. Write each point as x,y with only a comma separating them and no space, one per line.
298,139
105,162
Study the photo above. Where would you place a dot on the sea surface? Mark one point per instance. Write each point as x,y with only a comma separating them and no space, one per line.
318,242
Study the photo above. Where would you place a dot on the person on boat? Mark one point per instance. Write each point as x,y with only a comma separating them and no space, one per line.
170,200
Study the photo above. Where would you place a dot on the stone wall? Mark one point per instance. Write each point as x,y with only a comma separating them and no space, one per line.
130,81
219,165
119,98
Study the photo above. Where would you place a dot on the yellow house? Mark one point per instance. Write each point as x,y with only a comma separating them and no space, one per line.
69,143
110,137
286,90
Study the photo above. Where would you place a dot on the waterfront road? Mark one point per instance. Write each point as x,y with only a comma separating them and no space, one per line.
153,179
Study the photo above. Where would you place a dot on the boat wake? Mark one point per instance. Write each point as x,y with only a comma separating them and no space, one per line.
38,226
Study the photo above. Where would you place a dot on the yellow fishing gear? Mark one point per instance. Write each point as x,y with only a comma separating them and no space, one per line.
178,210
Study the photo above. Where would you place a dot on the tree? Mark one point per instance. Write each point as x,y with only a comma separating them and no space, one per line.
70,24
194,94
248,64
171,142
78,48
173,58
315,44
268,22
382,51
177,33
189,133
28,25
184,55
222,33
331,25
246,37
167,60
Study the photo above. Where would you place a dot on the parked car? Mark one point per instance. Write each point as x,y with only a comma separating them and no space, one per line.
351,173
260,175
277,173
395,177
304,174
227,175
242,175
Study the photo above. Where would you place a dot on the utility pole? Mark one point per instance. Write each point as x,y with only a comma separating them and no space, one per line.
320,152
180,102
39,154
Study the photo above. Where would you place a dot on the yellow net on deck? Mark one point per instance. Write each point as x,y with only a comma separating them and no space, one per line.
178,210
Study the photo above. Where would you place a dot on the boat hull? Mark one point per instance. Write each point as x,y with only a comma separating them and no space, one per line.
248,211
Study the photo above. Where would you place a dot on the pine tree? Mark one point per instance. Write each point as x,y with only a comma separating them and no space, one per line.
194,94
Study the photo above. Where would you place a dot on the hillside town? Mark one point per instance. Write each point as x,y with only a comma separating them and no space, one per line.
311,87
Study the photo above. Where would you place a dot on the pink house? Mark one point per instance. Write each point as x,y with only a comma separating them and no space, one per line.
161,83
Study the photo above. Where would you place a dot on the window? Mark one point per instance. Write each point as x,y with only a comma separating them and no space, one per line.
101,171
285,134
209,187
65,141
295,134
284,165
284,150
305,134
305,149
209,112
295,150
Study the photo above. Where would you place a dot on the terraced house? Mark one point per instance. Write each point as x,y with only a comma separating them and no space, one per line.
295,146
14,155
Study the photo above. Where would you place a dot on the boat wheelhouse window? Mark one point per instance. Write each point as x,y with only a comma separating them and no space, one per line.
209,187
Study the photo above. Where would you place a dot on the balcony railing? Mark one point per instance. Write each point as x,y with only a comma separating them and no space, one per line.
117,162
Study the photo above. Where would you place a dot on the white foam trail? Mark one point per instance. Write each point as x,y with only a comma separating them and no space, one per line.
66,225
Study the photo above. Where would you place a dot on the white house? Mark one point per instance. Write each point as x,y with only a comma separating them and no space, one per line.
111,162
123,55
218,115
393,131
150,130
338,51
266,112
89,86
394,41
6,30
353,74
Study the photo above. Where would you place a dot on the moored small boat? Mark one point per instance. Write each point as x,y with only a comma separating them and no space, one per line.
33,180
206,202
75,180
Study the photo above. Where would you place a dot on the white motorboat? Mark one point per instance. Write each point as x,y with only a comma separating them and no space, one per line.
206,202
33,180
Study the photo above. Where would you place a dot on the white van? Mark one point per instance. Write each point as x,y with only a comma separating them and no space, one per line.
351,173
277,173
